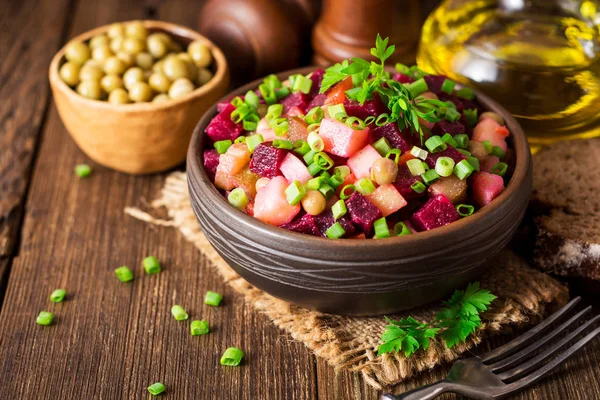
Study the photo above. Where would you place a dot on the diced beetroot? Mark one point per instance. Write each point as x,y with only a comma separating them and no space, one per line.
454,99
340,139
316,77
294,169
387,199
438,211
402,78
373,107
211,162
317,101
450,151
222,127
295,112
486,187
297,129
452,187
404,181
222,105
325,220
271,205
267,160
299,100
362,211
444,126
402,140
360,164
305,224
488,129
488,163
434,82
266,131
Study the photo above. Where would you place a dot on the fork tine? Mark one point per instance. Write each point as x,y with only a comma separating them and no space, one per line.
516,357
532,364
519,342
547,368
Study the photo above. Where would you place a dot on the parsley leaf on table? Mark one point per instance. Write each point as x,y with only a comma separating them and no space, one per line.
458,319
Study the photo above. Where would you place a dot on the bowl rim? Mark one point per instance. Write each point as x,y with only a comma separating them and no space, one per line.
175,29
460,228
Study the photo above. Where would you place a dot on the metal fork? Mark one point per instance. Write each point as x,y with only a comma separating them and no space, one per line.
515,365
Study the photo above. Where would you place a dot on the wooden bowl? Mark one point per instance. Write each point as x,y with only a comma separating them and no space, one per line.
358,277
137,138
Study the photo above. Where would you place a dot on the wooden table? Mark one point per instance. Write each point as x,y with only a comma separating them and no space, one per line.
111,340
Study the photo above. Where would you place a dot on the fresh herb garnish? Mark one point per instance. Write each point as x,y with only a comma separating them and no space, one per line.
371,77
455,322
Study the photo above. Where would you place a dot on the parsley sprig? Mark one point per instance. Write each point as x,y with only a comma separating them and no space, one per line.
454,323
371,77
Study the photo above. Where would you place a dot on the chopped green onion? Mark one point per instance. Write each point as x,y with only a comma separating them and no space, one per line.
151,265
339,209
488,146
238,198
309,157
342,171
448,86
302,84
403,69
335,231
179,313
425,166
199,327
464,210
416,167
394,152
156,388
295,192
417,87
254,140
355,123
237,101
444,166
314,116
124,274
435,144
335,181
326,190
58,295
313,127
282,144
448,139
463,169
471,116
364,186
370,119
212,298
272,81
500,168
314,183
419,152
430,176
280,126
498,152
474,161
383,119
462,141
400,229
382,146
241,111
336,109
45,318
301,147
314,169
240,139
249,126
315,142
381,228
464,152
323,161
252,99
83,170
274,111
466,93
282,92
222,145
418,187
452,115
347,191
232,357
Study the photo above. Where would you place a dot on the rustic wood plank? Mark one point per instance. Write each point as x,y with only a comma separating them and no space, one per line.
111,340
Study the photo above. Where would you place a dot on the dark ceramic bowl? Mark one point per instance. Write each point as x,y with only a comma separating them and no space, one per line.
358,277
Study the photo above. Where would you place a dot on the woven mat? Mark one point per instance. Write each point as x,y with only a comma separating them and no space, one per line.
525,296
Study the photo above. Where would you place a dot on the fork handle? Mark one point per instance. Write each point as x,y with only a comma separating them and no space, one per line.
427,392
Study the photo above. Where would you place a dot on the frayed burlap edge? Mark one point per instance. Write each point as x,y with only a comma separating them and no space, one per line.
524,296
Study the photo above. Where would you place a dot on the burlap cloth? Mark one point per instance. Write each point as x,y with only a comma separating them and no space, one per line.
524,297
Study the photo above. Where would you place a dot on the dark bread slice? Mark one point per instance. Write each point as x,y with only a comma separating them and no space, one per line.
566,207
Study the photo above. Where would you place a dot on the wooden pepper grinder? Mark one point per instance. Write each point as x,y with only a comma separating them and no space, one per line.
259,37
348,29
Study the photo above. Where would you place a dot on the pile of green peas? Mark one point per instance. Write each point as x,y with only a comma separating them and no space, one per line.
129,64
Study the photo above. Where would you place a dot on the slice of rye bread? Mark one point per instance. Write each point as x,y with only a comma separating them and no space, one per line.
566,208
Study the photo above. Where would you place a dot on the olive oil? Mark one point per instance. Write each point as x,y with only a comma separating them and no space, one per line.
538,58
